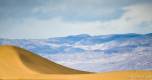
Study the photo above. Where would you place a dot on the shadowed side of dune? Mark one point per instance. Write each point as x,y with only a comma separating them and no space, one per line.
17,63
34,63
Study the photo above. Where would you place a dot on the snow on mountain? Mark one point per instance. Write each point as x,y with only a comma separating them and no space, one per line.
93,53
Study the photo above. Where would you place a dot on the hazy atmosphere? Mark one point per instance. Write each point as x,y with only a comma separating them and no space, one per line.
52,18
76,39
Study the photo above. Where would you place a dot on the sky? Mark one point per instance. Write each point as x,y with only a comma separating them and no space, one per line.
38,19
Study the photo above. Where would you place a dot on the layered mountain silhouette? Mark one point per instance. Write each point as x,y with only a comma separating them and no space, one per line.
18,63
94,53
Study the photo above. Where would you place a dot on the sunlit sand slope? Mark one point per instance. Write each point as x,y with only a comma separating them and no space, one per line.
17,60
17,63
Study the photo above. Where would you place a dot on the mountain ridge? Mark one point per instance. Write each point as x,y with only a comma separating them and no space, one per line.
17,63
110,50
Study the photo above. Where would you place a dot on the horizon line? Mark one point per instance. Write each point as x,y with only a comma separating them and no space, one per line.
78,35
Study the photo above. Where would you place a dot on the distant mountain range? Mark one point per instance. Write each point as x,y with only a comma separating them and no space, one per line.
100,53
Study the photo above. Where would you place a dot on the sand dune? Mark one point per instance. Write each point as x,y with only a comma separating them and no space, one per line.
19,60
17,63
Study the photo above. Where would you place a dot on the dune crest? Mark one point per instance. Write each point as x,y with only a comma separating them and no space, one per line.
17,63
16,60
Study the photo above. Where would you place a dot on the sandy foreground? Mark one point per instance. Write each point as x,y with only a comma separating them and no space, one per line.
17,63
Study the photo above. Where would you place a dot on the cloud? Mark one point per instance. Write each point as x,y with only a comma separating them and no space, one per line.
50,28
81,9
139,13
133,19
30,19
18,8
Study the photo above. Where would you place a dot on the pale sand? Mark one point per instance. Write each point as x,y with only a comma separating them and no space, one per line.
17,63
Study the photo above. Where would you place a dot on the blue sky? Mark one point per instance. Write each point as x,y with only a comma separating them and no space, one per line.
52,18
